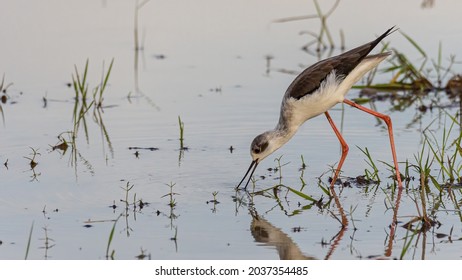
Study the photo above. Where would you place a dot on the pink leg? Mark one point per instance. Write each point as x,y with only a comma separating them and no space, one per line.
387,120
344,148
332,189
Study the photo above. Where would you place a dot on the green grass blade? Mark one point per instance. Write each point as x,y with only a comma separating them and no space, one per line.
84,79
111,236
325,190
105,80
307,197
435,183
414,43
407,244
107,75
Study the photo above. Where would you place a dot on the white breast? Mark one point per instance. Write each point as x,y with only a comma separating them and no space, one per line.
314,104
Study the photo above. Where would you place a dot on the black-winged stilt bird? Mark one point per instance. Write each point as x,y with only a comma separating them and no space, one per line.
312,93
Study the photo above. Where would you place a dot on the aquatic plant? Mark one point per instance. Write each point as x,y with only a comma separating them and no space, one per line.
81,105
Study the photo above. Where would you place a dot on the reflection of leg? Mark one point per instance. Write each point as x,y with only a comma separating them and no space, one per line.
387,120
393,225
344,219
337,238
344,148
344,222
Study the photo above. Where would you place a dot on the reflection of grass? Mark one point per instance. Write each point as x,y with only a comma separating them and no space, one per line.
3,88
324,33
32,162
29,240
138,7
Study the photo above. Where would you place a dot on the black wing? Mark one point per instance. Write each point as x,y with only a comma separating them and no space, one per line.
311,78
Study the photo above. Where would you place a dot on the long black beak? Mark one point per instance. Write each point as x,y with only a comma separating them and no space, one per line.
254,165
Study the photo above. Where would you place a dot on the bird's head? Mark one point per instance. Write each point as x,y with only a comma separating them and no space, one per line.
262,146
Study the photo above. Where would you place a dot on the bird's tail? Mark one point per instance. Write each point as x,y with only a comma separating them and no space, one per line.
367,64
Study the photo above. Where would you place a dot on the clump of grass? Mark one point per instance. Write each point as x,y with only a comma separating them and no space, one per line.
423,166
81,106
86,100
415,77
449,162
371,175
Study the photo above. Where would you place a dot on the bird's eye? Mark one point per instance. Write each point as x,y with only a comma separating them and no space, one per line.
260,148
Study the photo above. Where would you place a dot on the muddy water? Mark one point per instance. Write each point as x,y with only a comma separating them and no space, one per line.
208,66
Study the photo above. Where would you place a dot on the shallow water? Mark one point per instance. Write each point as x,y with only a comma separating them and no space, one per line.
207,66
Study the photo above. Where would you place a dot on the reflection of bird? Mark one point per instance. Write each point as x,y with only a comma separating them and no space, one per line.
269,235
313,92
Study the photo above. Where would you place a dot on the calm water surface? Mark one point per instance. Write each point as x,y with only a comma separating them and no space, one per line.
203,61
